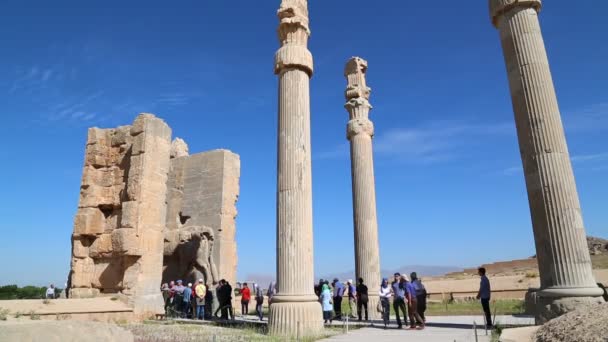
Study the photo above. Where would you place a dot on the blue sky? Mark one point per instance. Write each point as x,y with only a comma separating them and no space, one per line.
449,182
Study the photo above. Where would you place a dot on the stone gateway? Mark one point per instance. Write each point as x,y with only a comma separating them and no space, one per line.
150,212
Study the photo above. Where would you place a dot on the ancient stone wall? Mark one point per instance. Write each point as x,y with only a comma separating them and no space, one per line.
117,244
144,199
201,209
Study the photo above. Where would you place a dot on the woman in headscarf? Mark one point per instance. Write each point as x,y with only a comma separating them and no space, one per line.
326,303
259,300
385,295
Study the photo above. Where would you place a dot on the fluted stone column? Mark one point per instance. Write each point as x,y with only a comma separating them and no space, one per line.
295,310
360,131
565,266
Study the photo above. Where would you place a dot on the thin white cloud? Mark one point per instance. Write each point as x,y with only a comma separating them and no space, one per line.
431,142
590,157
436,141
512,171
594,162
590,118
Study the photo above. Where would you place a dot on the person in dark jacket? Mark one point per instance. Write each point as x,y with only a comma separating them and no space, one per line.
226,304
362,299
420,295
338,294
484,295
220,294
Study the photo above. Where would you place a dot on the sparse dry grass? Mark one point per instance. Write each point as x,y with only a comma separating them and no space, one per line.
600,261
473,307
4,314
531,274
204,333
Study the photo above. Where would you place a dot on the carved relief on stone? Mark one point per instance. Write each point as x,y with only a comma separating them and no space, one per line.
293,33
192,250
355,74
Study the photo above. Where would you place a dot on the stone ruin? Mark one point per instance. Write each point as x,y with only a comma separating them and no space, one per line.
149,213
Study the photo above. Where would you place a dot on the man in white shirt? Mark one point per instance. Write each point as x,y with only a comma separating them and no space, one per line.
50,292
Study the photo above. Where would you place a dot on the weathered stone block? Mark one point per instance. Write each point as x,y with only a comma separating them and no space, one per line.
82,272
101,246
129,214
126,242
97,136
121,136
83,293
89,221
95,195
80,247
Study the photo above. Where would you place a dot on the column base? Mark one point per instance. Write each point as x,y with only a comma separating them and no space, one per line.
295,316
552,303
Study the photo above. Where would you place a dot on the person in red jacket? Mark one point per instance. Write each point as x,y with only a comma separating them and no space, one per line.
245,298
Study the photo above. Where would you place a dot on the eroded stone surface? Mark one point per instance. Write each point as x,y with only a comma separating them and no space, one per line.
564,263
125,173
201,210
295,306
147,207
360,131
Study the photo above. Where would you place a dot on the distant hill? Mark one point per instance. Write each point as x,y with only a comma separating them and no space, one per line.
598,248
421,270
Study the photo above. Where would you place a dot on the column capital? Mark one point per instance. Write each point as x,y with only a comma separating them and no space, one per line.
354,71
293,34
359,126
500,7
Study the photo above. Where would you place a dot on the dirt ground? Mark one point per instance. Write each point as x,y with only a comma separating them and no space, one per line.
509,280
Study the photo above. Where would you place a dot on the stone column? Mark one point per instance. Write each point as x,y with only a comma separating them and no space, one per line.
565,266
295,310
360,131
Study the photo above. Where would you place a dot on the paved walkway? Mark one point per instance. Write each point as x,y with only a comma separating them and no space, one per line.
439,329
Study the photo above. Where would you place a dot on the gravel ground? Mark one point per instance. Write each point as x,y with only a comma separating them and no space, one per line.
588,324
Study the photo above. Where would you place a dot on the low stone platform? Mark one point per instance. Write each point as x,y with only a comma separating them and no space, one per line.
103,309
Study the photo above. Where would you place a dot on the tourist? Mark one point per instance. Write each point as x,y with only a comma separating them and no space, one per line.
326,303
352,299
412,304
187,300
245,298
385,296
228,298
319,287
399,290
362,298
193,307
272,290
178,297
50,292
209,304
338,294
200,291
484,295
420,295
220,293
224,297
164,289
259,301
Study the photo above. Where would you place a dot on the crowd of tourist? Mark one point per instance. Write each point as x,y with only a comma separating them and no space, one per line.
407,295
408,298
195,301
